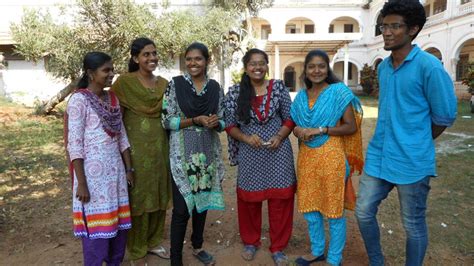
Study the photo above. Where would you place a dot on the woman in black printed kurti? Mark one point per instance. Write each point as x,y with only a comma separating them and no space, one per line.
257,118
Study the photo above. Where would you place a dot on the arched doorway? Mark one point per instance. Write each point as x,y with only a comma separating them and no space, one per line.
378,22
377,63
293,76
466,57
434,51
300,25
344,25
353,73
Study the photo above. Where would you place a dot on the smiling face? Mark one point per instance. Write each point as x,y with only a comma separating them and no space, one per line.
102,77
257,67
147,59
396,34
317,70
196,63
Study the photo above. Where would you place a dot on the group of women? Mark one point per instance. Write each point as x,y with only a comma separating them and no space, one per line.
147,144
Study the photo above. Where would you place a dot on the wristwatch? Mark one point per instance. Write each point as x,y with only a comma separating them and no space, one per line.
131,170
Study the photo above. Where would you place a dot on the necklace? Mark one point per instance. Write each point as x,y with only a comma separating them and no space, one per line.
261,90
147,83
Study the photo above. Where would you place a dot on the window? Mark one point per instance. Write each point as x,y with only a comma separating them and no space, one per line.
439,6
265,31
309,28
348,28
289,78
291,28
465,1
331,28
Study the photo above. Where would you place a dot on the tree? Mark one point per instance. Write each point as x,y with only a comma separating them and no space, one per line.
109,26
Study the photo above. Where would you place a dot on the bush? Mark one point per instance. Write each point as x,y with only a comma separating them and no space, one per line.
369,81
468,78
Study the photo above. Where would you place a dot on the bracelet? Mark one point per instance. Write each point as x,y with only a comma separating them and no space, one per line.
327,130
131,170
320,131
280,136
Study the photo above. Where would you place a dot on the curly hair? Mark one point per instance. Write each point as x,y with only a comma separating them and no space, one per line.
412,11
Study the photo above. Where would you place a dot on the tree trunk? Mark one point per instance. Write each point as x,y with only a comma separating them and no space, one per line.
48,106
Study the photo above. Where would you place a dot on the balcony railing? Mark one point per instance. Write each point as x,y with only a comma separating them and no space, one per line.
465,9
314,37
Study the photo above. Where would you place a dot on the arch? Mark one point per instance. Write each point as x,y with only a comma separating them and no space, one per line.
376,58
292,75
459,44
338,25
351,60
376,63
435,51
461,60
262,26
300,25
353,75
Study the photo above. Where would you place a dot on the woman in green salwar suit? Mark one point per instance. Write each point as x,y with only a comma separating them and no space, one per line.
141,94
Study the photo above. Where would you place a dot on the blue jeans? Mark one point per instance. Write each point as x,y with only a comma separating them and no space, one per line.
412,199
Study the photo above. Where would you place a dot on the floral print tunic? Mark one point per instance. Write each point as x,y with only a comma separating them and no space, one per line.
195,155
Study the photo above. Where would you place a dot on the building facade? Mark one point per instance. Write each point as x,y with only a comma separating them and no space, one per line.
346,29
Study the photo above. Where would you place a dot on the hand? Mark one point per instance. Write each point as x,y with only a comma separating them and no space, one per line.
298,132
82,193
307,134
213,121
275,142
130,179
253,140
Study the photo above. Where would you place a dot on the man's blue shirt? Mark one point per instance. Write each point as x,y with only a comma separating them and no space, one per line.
412,97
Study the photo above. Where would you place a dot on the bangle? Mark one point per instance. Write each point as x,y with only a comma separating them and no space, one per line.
130,170
320,131
327,130
280,136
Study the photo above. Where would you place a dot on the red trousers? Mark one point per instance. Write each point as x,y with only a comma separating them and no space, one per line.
280,217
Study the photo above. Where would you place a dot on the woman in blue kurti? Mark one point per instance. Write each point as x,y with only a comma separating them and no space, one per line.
258,123
193,114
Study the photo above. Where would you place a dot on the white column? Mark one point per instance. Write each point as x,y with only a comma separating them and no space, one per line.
277,62
346,65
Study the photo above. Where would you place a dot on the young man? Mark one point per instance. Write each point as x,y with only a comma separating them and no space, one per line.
416,104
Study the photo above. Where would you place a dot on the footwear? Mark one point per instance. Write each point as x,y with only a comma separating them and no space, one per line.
249,252
280,258
304,262
204,257
161,252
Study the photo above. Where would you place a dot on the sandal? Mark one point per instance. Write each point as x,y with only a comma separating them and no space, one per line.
249,252
204,257
161,252
280,258
300,261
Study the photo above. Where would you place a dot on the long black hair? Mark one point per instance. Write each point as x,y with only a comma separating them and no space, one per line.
92,61
330,79
135,49
247,91
412,11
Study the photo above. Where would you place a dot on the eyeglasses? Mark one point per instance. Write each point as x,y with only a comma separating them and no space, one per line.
254,64
394,26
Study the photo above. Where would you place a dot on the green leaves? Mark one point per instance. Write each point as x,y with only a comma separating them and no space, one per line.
110,26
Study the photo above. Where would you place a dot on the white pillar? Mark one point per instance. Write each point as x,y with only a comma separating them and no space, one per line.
277,62
346,65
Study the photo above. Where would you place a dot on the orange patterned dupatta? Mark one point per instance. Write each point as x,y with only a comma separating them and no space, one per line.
353,151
